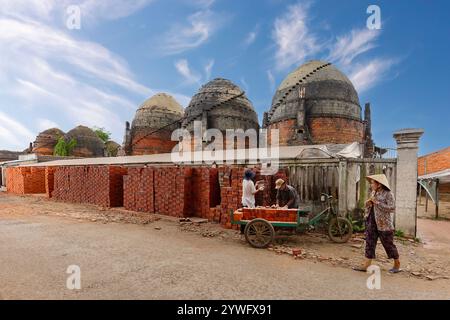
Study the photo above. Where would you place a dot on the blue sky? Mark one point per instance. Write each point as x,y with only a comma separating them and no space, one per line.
128,50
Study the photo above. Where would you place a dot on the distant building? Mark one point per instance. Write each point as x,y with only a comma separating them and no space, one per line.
436,165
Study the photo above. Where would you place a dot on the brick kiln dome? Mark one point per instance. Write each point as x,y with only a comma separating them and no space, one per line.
46,141
89,145
320,103
153,124
158,111
226,107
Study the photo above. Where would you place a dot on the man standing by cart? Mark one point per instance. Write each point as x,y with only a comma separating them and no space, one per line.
287,196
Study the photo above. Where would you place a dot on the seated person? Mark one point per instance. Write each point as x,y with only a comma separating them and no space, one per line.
287,196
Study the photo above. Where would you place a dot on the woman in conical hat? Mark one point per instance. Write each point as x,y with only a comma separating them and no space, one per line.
380,208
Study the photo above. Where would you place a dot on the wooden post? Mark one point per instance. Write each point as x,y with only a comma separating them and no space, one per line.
420,194
426,201
437,200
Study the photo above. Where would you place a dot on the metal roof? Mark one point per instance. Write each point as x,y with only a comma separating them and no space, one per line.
443,176
254,155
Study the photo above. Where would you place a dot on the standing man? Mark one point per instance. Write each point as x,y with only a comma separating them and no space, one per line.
287,196
249,189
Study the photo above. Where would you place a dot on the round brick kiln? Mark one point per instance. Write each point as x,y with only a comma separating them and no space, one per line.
316,104
222,105
89,145
152,127
46,141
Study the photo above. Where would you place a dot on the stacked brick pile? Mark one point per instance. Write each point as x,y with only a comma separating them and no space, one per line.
204,195
230,179
284,215
25,180
139,190
98,185
172,191
231,190
49,181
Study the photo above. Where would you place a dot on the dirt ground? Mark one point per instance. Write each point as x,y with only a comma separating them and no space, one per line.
125,255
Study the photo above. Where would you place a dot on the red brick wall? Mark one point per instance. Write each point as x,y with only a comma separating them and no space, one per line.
25,180
335,130
287,131
139,190
323,130
435,162
98,185
159,142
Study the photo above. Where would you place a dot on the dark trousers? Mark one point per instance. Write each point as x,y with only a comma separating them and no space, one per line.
386,237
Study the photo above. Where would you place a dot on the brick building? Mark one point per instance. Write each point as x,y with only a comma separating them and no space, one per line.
434,164
318,104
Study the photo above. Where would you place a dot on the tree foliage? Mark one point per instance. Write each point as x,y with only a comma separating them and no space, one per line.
64,148
104,135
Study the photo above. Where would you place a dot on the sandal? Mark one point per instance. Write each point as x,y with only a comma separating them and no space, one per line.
359,269
395,270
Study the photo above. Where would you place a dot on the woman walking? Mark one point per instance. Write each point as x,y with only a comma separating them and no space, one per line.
379,222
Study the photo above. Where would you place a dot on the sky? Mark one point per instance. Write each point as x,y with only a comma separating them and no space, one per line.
125,51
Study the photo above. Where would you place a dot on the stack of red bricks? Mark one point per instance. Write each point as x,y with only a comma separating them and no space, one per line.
25,180
139,190
49,181
231,192
172,188
270,214
205,193
98,185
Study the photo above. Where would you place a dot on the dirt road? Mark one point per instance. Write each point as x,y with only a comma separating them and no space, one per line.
157,260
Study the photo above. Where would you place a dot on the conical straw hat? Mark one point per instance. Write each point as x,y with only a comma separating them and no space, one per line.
380,178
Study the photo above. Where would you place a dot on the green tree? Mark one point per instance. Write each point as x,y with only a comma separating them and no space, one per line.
64,148
104,135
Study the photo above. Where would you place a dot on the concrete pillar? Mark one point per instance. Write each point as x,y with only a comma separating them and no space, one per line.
406,180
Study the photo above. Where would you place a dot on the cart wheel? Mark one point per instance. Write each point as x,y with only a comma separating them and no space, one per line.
340,230
259,233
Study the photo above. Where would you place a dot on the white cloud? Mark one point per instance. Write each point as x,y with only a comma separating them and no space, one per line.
196,31
45,70
13,132
271,79
366,76
294,40
348,47
111,9
245,84
44,124
182,38
91,10
208,69
183,68
251,36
